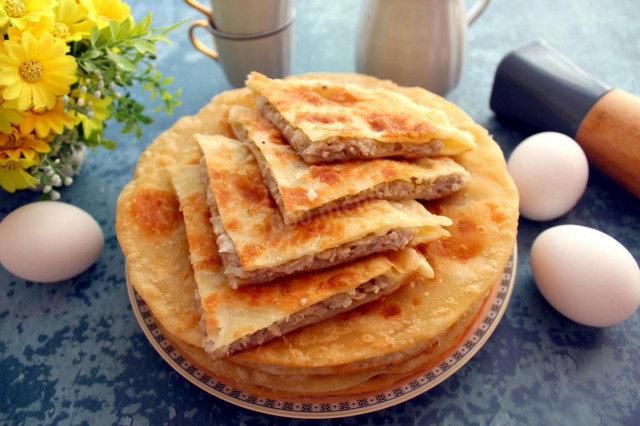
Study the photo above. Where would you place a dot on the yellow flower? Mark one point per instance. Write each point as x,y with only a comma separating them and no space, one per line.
71,21
47,121
4,19
14,174
100,109
35,71
68,22
16,145
37,29
101,11
8,116
21,12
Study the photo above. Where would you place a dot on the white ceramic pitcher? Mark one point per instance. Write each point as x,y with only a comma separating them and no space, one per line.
416,42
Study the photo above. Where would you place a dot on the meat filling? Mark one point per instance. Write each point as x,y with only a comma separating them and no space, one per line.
334,149
394,190
392,240
317,312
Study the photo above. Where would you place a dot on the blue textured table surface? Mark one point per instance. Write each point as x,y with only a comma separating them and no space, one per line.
73,353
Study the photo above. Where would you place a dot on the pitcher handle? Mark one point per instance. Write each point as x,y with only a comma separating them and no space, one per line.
201,8
475,11
197,43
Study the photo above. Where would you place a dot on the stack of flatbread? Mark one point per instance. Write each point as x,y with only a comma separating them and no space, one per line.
318,236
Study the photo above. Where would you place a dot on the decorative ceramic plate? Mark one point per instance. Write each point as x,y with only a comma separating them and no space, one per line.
474,339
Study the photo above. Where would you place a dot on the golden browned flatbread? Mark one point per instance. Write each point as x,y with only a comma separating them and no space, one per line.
402,328
237,319
256,245
149,225
311,387
327,120
301,190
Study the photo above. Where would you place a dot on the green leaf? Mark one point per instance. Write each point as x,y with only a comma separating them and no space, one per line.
117,51
166,96
93,54
95,33
104,37
125,28
145,119
127,128
143,46
88,66
127,65
121,116
114,28
109,144
143,26
166,30
158,37
91,142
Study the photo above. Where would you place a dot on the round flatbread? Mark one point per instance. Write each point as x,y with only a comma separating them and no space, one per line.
359,345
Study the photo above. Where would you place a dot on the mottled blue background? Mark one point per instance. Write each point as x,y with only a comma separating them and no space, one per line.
73,353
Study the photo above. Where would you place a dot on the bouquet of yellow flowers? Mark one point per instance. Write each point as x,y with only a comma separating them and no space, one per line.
66,66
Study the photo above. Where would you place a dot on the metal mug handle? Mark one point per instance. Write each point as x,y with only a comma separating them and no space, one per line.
473,14
201,8
196,42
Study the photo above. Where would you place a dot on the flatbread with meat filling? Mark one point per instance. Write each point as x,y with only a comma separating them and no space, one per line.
235,320
255,244
301,190
364,350
328,120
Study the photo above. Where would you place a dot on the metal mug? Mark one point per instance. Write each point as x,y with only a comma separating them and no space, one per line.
416,42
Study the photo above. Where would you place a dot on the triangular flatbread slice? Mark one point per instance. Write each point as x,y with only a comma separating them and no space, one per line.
257,246
327,121
302,190
236,319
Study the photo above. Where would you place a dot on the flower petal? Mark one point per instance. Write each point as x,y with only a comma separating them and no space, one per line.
7,117
14,52
42,97
30,45
6,180
12,91
7,78
25,98
40,146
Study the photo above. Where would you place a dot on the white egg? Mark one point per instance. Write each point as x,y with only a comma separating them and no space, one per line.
586,275
551,172
49,241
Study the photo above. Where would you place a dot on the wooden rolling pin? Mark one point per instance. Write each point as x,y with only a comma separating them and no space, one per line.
542,88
